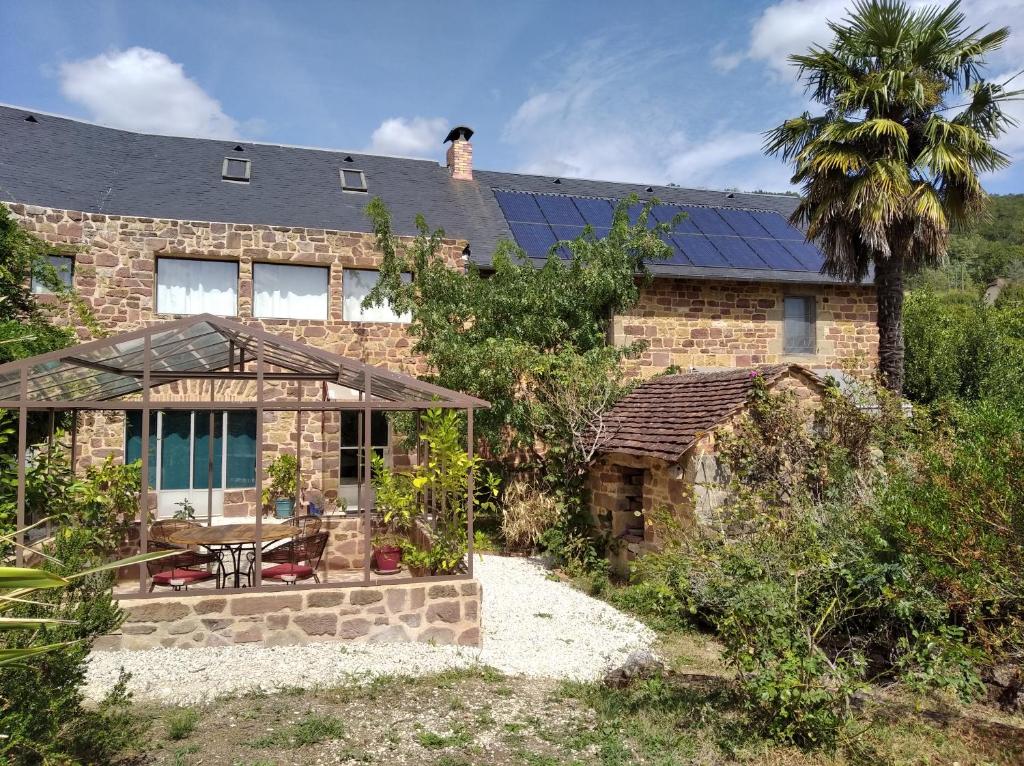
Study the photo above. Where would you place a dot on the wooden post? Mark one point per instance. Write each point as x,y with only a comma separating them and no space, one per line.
469,490
147,349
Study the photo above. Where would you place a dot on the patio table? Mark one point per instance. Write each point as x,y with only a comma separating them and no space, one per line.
233,538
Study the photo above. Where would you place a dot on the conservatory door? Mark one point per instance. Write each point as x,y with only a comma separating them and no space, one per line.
179,458
351,455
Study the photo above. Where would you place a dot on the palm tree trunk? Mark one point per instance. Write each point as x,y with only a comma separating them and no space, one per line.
889,292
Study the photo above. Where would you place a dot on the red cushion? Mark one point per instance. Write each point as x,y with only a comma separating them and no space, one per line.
188,575
301,571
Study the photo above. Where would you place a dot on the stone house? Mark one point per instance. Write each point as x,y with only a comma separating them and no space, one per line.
658,452
149,227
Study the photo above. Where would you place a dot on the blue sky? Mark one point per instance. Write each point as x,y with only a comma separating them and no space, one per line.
652,91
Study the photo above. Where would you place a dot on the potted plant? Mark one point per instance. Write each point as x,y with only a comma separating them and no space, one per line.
282,472
396,500
416,560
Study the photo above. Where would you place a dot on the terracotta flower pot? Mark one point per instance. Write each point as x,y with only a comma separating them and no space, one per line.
387,559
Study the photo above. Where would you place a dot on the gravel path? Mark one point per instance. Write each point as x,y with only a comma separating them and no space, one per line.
532,626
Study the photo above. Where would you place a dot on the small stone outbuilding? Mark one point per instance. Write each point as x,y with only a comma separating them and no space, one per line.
658,453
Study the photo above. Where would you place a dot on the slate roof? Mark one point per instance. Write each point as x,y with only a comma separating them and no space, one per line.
666,416
66,163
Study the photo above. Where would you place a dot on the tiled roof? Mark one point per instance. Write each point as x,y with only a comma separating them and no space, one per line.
666,416
65,163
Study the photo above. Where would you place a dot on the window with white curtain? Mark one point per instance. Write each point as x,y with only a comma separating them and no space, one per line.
357,284
189,286
284,291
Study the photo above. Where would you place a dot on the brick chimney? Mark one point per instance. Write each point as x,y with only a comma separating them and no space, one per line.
460,154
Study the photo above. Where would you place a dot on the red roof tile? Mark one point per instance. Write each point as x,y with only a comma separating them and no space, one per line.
664,417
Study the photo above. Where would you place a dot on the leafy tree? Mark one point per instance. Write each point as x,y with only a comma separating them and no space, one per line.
26,328
533,341
893,163
496,334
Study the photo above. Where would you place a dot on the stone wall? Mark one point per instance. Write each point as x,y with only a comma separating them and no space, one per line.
115,261
701,323
440,613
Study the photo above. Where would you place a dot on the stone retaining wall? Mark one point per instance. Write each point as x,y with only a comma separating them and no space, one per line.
439,613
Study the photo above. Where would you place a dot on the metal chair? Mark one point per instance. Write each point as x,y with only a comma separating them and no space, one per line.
180,571
296,560
186,566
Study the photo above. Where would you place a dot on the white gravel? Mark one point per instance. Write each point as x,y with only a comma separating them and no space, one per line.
532,626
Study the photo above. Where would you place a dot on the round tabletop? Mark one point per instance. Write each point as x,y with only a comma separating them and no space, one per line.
232,534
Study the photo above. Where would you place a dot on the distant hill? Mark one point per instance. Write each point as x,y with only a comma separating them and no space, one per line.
994,247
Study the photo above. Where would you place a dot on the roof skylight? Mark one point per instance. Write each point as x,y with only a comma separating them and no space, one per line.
236,169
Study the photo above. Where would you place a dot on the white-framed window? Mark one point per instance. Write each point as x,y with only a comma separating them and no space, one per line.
799,330
357,283
65,268
191,286
286,291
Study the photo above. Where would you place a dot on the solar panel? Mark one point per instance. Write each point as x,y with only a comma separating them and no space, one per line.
700,251
806,253
776,225
596,212
774,254
567,232
707,221
678,257
535,239
706,237
743,223
519,207
738,253
559,210
665,214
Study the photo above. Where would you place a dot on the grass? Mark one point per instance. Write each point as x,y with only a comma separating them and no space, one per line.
312,730
688,716
459,737
181,723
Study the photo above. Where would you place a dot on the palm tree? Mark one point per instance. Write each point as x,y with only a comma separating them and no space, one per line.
893,163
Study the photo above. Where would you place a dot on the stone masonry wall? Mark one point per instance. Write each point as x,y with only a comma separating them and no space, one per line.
700,323
115,261
439,613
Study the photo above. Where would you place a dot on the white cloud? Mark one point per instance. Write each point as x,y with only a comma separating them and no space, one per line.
792,26
409,136
144,90
602,117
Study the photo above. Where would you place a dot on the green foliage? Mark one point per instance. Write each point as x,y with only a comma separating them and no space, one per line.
442,483
893,162
491,334
182,722
106,501
283,475
530,340
959,348
25,326
312,730
40,699
864,546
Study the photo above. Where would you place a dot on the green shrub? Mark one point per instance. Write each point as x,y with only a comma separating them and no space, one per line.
182,722
872,547
41,703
